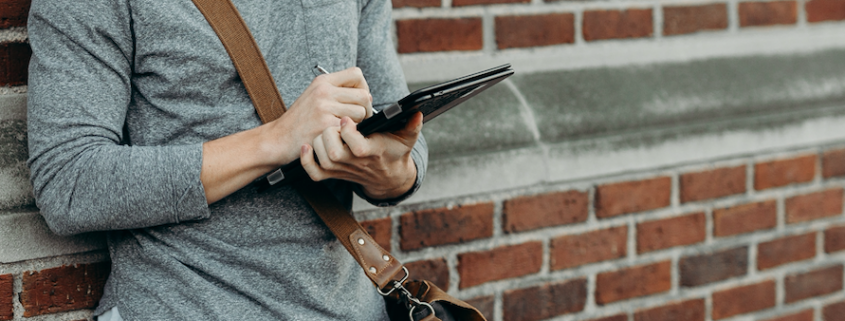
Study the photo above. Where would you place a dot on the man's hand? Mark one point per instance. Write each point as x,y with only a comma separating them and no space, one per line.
381,162
327,99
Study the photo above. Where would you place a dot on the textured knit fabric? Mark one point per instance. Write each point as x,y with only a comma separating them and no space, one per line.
122,94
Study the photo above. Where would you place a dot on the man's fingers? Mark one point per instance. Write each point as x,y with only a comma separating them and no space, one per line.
352,77
306,158
359,145
335,149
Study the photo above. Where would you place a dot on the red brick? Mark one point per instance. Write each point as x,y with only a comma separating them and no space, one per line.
633,282
712,184
436,271
7,297
833,163
615,24
485,305
533,212
13,13
416,3
618,317
64,288
674,231
692,310
689,19
427,35
753,14
574,250
446,226
814,206
785,250
825,10
709,268
14,63
834,239
627,197
535,30
500,263
546,301
380,230
784,172
814,283
744,299
744,218
834,312
806,315
461,3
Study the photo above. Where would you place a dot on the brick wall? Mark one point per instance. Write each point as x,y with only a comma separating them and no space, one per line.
748,237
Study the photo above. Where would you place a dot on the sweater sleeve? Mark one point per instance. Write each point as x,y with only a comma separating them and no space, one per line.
377,59
84,178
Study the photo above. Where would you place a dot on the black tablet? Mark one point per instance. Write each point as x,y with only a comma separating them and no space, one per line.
431,101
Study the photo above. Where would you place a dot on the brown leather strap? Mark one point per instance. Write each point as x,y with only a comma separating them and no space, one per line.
379,265
226,21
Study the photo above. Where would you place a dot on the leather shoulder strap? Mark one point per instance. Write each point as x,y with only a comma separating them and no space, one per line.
378,264
226,21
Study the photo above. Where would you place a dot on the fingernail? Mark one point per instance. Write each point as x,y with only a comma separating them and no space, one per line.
304,149
343,121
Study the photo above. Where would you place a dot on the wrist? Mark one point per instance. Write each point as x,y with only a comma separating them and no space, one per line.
407,182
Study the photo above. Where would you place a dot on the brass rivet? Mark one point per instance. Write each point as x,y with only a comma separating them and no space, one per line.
386,258
372,269
361,241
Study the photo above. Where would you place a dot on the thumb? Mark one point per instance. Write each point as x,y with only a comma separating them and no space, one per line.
412,129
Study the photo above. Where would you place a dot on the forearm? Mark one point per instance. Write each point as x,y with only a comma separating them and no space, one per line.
232,162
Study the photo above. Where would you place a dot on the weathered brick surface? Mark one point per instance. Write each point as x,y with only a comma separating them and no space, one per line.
785,250
416,3
806,315
689,19
744,299
691,310
485,305
537,211
535,30
501,263
574,250
814,283
14,63
380,230
7,297
744,218
436,271
814,206
546,301
446,226
427,35
461,3
753,14
615,24
674,231
825,10
834,312
707,268
618,317
63,288
13,13
712,184
785,171
635,196
633,282
834,239
833,162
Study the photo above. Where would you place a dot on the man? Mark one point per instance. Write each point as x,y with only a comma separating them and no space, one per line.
139,125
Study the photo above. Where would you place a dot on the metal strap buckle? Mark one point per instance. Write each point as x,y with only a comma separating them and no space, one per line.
414,302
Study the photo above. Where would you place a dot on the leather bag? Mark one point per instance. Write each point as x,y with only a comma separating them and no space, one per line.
404,299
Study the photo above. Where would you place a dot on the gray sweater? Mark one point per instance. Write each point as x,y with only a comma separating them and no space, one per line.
122,94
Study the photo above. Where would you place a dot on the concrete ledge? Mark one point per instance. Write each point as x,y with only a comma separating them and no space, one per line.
25,236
